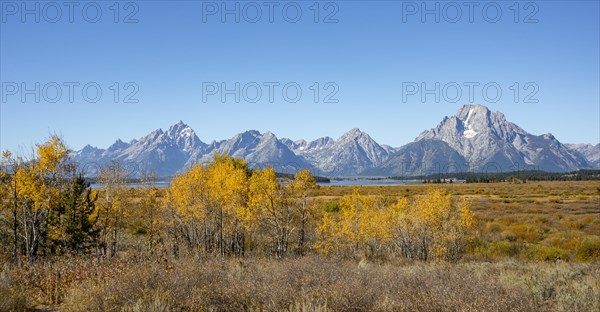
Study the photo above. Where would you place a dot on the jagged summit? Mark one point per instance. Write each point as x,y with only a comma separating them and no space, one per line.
353,132
118,145
179,127
484,137
474,116
468,109
474,135
351,154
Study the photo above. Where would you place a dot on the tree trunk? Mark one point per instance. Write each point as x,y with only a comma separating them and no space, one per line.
15,225
301,238
221,246
34,239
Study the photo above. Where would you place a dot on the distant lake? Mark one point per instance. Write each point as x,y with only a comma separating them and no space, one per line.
134,185
340,182
365,182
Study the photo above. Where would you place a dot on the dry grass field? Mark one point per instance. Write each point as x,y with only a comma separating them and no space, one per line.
310,283
535,247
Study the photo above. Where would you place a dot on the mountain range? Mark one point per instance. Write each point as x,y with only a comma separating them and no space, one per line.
475,139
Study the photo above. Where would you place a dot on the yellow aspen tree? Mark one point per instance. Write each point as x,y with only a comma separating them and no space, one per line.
113,207
303,185
361,225
50,155
189,195
51,166
401,226
350,214
463,221
432,211
271,202
228,185
437,226
329,240
376,229
37,190
35,186
212,198
355,225
151,209
51,205
30,193
263,203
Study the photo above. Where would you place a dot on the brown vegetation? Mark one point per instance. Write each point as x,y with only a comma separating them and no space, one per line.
303,284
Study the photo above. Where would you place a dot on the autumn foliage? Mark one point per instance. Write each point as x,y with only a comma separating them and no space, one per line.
228,208
52,208
430,226
223,207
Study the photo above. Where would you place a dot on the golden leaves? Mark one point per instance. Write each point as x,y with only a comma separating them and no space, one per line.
29,187
50,154
188,192
431,225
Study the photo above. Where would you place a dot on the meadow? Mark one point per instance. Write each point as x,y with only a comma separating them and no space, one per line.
510,263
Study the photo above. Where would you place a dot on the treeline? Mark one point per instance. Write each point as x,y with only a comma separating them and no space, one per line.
290,176
488,177
221,208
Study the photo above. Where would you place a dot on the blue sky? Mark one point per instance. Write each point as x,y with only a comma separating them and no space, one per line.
375,47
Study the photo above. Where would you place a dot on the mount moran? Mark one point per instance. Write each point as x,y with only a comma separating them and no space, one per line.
475,138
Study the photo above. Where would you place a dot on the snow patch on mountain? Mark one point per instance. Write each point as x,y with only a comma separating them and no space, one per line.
469,133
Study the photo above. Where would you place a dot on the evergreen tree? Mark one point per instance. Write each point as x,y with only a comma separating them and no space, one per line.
80,216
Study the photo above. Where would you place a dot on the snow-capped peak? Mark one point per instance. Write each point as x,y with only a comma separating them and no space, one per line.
469,132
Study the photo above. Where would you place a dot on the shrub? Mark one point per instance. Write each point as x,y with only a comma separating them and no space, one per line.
502,249
589,249
13,297
527,232
332,206
554,199
542,252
